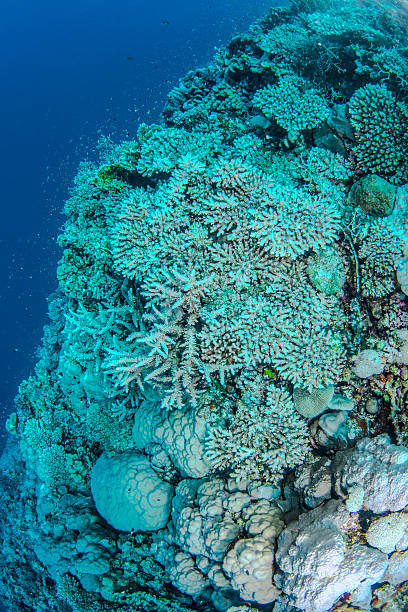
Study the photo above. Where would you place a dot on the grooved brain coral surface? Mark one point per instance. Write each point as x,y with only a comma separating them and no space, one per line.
128,494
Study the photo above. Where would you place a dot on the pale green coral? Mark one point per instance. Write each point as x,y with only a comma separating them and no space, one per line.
380,248
162,148
326,271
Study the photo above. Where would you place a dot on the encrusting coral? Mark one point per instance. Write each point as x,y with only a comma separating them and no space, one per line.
211,424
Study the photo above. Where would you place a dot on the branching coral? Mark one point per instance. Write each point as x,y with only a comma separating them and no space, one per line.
241,304
293,103
169,353
380,126
162,148
262,438
380,248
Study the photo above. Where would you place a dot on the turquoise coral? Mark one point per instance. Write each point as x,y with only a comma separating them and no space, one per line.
380,124
293,103
224,272
235,224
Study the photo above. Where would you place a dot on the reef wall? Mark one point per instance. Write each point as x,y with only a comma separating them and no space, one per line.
218,419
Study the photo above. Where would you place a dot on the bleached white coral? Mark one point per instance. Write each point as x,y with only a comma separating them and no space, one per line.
249,565
185,576
225,534
367,363
386,532
377,466
322,565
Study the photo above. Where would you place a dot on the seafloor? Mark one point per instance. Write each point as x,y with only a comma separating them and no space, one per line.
218,418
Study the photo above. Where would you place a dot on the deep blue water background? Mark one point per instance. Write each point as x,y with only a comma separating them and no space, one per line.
70,72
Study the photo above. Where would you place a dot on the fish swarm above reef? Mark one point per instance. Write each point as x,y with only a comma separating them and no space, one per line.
218,414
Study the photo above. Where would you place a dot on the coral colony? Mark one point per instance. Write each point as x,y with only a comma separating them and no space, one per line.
218,418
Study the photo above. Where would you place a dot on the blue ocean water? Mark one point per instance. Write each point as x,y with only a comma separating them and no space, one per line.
71,72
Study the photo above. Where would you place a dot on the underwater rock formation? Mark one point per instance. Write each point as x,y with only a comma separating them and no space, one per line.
218,418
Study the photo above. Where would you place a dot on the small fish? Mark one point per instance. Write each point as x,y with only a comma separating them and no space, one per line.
129,57
270,374
165,22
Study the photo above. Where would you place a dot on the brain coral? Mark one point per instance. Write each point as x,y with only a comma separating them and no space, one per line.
128,493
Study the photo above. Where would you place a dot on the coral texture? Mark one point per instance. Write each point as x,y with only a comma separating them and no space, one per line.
128,494
380,125
217,420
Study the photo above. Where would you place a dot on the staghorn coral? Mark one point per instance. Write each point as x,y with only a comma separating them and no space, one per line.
344,22
275,328
319,162
169,355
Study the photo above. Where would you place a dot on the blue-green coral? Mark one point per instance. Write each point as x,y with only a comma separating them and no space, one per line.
293,104
380,124
219,234
263,437
211,267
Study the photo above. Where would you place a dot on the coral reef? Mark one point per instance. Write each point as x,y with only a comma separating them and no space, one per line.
380,126
217,421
